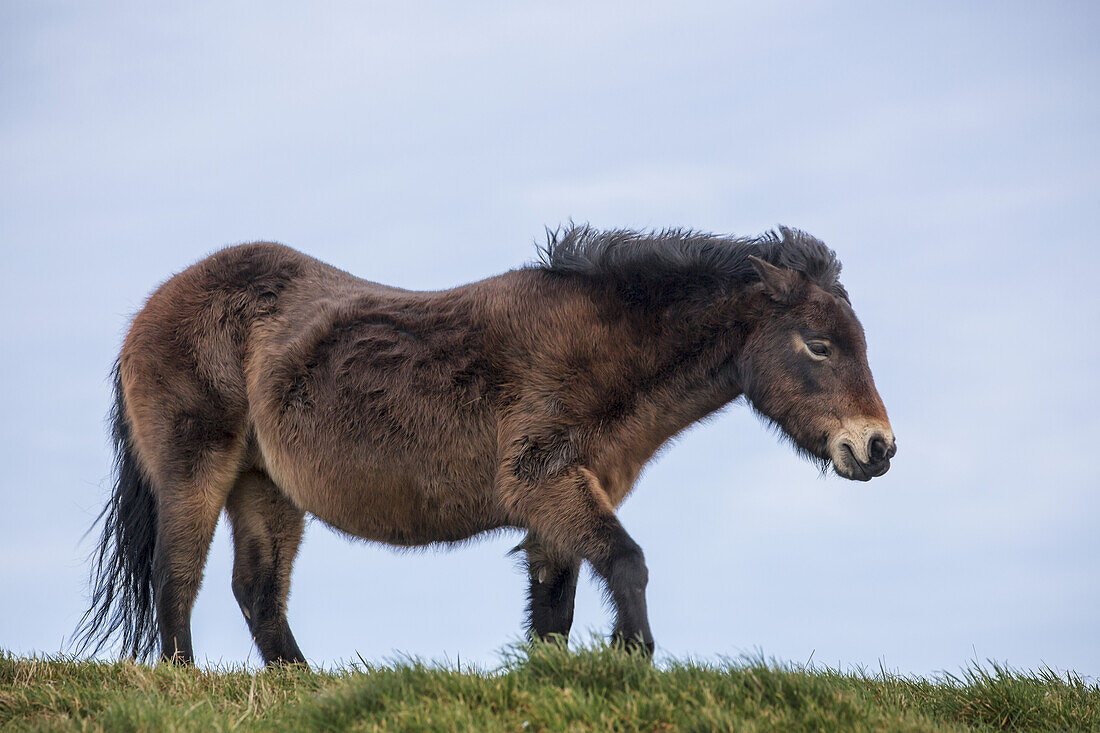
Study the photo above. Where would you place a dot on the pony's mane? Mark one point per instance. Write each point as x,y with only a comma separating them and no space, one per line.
679,256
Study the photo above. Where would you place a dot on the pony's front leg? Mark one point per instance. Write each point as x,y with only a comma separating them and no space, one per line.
551,591
569,511
627,576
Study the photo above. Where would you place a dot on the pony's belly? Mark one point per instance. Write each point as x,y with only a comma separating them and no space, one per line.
386,495
400,514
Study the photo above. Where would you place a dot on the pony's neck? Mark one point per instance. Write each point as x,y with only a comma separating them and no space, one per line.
692,352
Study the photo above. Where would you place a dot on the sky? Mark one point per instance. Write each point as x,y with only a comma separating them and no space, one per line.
949,152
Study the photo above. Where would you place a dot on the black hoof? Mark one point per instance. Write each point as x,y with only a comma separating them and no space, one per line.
633,644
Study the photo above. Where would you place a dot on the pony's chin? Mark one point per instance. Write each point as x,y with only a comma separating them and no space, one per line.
852,473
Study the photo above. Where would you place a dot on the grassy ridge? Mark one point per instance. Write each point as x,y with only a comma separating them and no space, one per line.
534,690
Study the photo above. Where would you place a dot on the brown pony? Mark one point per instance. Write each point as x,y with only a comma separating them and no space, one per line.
268,384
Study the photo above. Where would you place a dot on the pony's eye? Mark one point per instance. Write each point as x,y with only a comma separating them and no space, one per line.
818,348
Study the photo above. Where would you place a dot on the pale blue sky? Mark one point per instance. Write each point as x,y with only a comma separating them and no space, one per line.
949,152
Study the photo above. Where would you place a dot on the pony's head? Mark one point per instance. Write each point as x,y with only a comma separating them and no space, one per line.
804,367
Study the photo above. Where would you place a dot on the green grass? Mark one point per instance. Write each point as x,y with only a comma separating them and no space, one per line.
539,689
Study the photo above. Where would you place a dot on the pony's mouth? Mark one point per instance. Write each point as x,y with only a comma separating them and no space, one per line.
861,450
847,465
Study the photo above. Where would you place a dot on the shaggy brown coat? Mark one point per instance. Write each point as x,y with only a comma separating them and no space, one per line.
269,384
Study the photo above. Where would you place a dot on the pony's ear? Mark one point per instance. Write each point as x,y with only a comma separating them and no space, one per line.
779,282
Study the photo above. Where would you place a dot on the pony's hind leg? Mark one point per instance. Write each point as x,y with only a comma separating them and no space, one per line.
552,577
187,515
267,529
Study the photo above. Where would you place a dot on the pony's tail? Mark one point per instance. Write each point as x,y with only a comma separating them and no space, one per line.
122,573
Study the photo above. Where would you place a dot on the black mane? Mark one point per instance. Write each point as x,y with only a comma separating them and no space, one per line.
675,257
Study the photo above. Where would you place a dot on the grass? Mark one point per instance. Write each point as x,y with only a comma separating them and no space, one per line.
535,689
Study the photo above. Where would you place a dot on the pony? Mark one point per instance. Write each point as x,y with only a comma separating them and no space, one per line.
267,384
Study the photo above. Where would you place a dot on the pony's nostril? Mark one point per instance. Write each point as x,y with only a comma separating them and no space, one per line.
877,449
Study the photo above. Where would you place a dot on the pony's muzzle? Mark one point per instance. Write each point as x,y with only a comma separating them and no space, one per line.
879,450
864,453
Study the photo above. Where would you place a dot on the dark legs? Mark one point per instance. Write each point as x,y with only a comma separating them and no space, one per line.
178,561
553,587
626,576
571,514
267,529
187,516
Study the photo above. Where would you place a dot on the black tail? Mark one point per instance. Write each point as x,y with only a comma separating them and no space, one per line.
122,577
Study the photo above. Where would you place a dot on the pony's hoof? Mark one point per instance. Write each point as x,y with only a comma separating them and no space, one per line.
634,645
